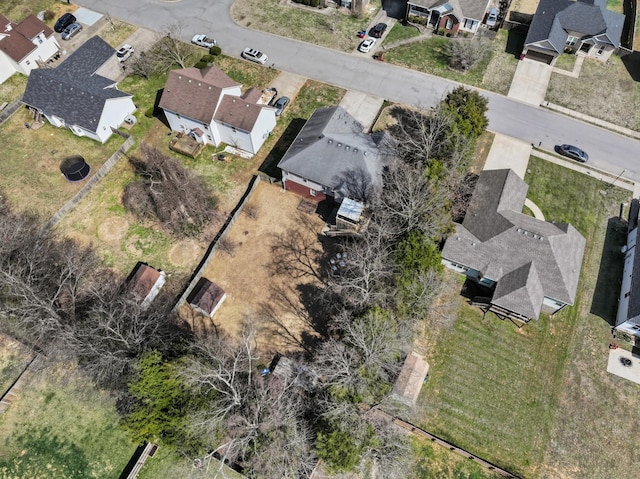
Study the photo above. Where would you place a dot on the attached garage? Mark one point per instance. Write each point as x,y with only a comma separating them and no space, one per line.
540,57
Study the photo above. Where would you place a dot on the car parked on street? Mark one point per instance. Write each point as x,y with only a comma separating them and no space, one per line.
124,52
63,22
203,41
254,55
281,104
572,152
367,45
71,31
378,30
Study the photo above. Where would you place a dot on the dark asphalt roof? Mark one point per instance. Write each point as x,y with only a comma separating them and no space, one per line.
72,91
527,257
331,144
555,19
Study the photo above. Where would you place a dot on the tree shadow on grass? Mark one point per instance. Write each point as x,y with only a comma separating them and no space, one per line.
45,454
605,296
270,163
632,63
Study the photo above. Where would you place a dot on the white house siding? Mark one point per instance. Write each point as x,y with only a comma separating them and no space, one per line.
185,124
113,114
44,51
237,138
7,67
625,289
263,127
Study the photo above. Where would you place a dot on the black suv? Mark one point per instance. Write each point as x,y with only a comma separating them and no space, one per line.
63,22
378,30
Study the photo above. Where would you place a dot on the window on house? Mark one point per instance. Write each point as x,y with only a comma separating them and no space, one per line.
600,50
626,295
571,41
468,23
40,39
233,129
28,62
312,192
449,24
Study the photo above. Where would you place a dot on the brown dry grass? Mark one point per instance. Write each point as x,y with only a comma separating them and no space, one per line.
248,276
621,103
524,6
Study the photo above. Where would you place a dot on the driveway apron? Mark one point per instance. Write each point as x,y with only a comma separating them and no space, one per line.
530,82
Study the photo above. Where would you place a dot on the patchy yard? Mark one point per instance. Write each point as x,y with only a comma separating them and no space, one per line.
14,357
621,104
60,426
248,270
31,176
330,27
519,397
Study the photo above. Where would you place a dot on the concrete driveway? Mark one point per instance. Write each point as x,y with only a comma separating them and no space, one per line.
530,82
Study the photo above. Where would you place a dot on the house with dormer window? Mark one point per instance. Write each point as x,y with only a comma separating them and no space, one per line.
453,17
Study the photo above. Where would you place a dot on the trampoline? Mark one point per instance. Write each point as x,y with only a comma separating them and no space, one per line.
74,168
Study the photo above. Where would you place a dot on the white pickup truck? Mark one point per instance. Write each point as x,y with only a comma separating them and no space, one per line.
203,41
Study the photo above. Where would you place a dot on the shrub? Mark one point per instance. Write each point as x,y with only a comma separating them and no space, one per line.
48,15
200,65
207,58
149,112
315,3
215,51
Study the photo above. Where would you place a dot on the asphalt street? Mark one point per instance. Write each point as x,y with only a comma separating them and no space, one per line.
607,150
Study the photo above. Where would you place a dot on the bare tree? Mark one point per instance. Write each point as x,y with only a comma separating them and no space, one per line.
464,54
170,193
143,64
170,50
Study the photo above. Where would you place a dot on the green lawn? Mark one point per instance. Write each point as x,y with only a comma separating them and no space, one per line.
60,427
506,394
400,32
14,357
167,465
429,56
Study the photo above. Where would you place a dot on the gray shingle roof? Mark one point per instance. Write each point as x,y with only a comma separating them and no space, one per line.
498,240
331,144
554,20
72,91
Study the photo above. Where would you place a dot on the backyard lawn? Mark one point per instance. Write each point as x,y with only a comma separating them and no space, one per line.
62,427
519,397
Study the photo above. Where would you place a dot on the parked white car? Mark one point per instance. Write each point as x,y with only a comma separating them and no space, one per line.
367,45
203,41
124,52
254,55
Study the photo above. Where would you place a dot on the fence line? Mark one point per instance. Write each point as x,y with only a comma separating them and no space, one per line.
415,430
213,246
9,110
101,173
8,397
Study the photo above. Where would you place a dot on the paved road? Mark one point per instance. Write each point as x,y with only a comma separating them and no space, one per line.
607,150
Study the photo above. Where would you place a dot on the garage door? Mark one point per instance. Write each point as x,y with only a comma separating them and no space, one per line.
540,57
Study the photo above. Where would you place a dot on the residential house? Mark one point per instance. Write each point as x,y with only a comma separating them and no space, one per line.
206,297
333,157
25,45
454,17
407,387
210,107
72,95
144,283
628,317
524,265
584,26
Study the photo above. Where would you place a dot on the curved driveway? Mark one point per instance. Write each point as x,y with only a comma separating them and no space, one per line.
607,150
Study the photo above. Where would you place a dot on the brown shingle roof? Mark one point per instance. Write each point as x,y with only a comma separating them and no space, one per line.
142,280
30,27
195,93
206,296
238,113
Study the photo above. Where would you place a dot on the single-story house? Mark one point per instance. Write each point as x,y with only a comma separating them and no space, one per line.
452,16
206,297
72,95
628,317
407,387
144,283
333,157
525,265
584,26
25,45
209,106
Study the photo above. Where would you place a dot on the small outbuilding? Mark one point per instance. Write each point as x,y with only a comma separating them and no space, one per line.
75,168
412,376
144,283
206,297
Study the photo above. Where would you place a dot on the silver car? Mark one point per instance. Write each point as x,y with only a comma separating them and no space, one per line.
71,31
254,55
